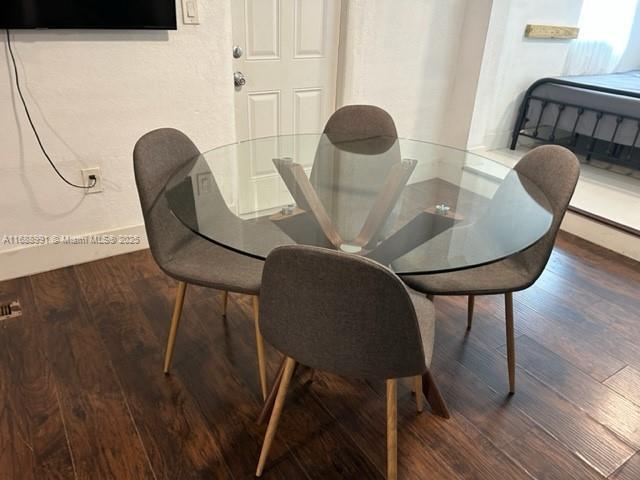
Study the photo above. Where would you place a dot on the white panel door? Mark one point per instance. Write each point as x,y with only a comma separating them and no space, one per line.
289,60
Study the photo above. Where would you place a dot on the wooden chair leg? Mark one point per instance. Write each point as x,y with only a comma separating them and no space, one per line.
511,341
271,398
262,367
470,304
417,388
225,300
433,396
175,322
289,367
392,429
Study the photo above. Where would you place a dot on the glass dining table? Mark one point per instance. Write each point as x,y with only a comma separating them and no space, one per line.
416,207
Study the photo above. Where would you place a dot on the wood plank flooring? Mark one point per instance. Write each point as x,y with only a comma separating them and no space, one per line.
82,394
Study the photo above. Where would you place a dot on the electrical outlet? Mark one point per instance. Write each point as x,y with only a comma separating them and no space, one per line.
86,181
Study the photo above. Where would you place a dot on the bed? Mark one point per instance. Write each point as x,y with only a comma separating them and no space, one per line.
594,115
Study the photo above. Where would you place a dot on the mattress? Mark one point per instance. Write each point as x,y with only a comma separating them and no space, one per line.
616,94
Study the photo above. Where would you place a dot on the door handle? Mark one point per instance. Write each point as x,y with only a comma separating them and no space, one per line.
239,79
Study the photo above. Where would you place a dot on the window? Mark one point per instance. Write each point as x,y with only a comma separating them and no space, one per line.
608,21
605,27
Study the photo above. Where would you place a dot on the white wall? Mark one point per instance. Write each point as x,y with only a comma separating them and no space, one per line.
465,82
92,95
512,62
451,72
419,60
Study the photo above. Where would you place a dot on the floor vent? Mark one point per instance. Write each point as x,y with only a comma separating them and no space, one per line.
10,310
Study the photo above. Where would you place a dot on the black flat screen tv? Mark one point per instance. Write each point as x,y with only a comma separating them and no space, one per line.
109,14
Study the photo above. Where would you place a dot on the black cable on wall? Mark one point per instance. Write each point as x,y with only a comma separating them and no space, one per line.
33,127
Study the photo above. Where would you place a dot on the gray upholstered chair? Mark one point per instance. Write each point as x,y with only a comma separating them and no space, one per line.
179,252
359,182
555,171
350,316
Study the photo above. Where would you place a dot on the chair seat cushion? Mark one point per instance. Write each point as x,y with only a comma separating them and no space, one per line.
498,277
204,263
426,314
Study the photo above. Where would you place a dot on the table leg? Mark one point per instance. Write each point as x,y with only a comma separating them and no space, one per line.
306,197
384,202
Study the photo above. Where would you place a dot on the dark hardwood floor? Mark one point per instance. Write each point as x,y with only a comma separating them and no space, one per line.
82,394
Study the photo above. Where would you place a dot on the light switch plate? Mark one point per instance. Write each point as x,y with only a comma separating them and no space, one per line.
190,12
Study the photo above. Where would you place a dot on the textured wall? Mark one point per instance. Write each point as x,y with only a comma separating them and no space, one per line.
405,57
92,95
511,63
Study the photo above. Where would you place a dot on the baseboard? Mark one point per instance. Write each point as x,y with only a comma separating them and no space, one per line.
32,259
606,236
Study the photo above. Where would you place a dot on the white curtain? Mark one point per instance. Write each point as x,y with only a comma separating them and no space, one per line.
605,27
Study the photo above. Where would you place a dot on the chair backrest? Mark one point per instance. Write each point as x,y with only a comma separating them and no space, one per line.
362,121
555,171
339,313
155,157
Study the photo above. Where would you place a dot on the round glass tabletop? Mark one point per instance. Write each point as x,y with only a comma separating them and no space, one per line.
414,206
